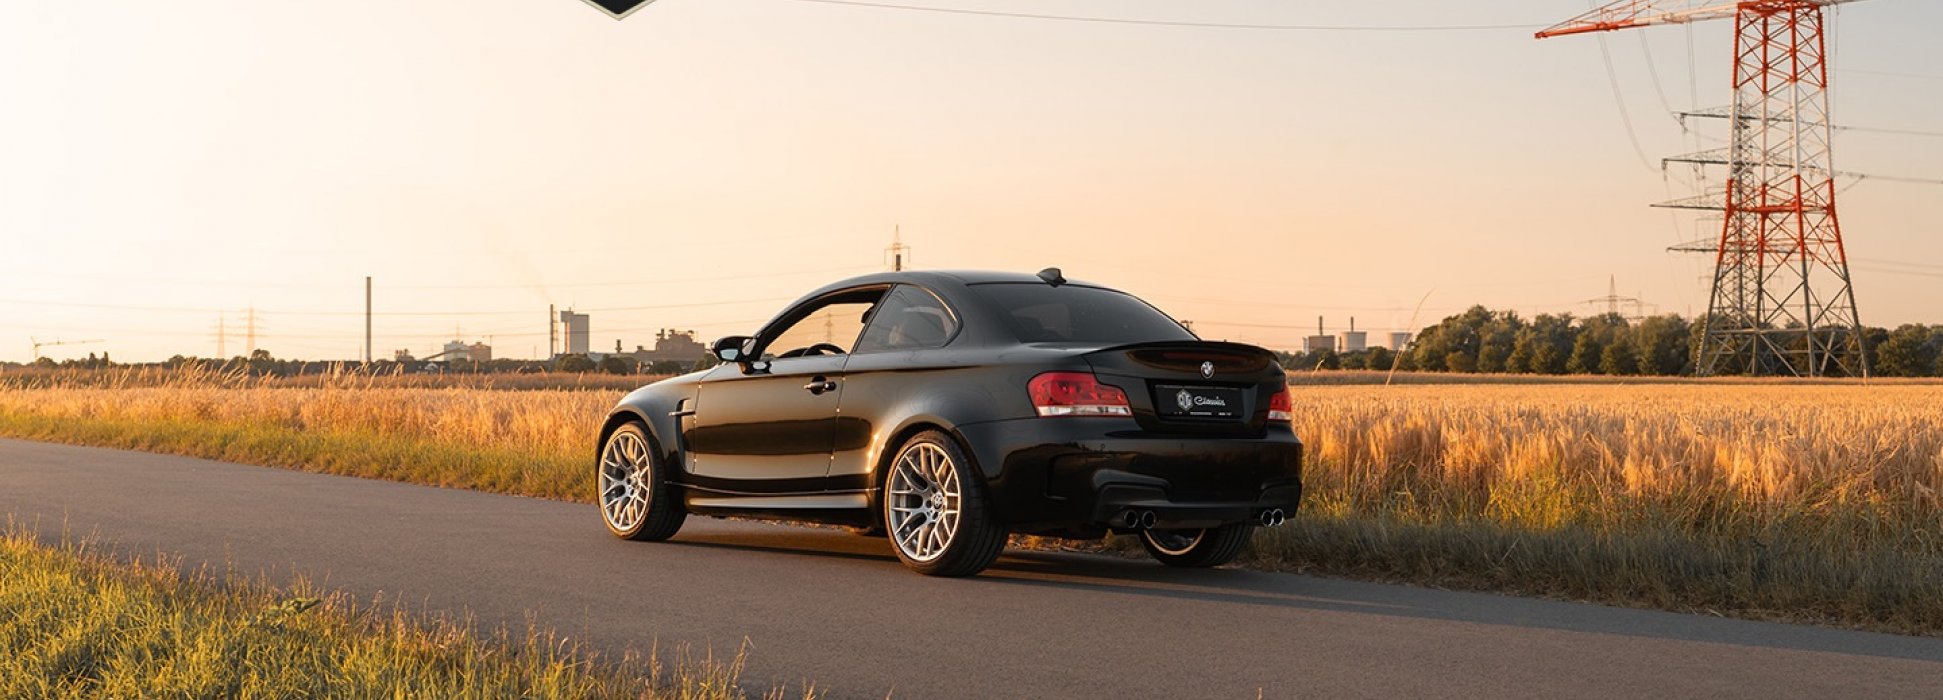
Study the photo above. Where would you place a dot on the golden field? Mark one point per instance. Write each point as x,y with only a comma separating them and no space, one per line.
1812,502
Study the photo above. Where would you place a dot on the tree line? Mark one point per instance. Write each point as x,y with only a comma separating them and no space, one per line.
1482,340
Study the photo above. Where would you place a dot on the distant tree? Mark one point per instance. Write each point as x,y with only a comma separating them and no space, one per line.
574,363
1618,358
1380,359
1661,345
1326,359
1589,348
1912,350
1356,360
670,367
707,361
1497,339
615,364
1586,352
44,362
1456,336
1872,340
1551,338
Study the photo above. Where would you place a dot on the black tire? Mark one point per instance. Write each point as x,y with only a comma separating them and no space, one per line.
665,512
979,537
1197,548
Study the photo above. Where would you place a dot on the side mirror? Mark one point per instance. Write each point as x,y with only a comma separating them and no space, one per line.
731,349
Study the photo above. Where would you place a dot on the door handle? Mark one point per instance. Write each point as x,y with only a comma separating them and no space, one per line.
819,385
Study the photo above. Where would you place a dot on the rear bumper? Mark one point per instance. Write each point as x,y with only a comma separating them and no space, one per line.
1049,474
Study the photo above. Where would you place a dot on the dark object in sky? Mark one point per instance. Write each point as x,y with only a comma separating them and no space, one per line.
949,409
618,8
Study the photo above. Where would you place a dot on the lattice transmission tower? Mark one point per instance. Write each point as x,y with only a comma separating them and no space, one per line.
1782,302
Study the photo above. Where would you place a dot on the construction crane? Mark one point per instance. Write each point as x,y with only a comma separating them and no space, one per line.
38,344
1782,302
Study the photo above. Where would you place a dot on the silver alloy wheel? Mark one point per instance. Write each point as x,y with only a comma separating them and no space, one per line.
925,502
626,481
1174,542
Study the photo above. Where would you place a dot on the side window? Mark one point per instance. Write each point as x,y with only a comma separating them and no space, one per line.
910,318
829,329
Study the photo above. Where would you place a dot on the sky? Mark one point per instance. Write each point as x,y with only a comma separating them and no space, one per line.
167,167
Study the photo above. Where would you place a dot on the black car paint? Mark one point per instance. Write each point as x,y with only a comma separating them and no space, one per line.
754,442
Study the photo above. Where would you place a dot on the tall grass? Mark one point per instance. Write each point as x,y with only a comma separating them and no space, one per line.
1815,502
1818,502
77,625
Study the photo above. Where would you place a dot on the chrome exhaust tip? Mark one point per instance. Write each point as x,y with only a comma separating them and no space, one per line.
1130,518
1147,519
1273,517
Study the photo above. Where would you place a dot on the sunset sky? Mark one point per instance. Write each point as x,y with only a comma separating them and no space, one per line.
164,165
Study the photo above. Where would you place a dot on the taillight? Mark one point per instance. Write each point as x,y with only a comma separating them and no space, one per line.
1076,394
1281,409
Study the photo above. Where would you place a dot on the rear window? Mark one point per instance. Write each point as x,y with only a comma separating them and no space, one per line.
1042,313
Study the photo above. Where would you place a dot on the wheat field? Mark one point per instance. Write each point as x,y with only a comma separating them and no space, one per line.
1802,502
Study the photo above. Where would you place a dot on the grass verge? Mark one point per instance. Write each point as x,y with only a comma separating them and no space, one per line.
74,624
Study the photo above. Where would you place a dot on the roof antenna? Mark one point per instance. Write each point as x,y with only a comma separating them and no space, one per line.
1052,276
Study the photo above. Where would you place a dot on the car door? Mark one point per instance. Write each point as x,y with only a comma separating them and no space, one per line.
768,426
894,359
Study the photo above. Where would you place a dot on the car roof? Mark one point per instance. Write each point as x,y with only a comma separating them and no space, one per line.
935,279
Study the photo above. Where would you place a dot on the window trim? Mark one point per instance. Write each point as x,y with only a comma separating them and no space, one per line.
802,310
957,320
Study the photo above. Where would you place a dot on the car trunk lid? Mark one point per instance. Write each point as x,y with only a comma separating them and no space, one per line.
1193,387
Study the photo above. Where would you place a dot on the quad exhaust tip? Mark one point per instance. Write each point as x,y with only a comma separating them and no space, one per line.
1273,517
1147,519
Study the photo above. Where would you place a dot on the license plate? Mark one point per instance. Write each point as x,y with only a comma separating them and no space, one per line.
1197,401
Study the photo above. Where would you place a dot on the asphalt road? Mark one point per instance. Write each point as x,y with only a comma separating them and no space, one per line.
837,609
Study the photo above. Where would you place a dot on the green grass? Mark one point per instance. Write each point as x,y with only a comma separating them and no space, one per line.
74,624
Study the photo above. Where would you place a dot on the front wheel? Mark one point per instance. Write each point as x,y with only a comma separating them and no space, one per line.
635,500
1197,548
935,510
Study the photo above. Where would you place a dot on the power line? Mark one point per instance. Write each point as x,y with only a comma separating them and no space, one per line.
631,283
1619,97
200,310
1178,23
1893,74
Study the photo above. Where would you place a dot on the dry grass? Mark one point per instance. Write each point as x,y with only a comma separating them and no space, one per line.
74,624
1816,502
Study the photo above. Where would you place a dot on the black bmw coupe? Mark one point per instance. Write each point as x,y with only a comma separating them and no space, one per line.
946,410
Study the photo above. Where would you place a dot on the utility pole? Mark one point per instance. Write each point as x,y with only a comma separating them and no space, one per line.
38,344
367,319
1612,300
250,332
222,338
897,250
551,342
1782,301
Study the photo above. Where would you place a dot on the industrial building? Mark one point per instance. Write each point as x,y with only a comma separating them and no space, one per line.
670,345
575,328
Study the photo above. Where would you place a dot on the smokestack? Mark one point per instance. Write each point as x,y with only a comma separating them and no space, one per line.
1319,325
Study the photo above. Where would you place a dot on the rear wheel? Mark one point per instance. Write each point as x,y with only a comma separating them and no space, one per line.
1197,548
635,500
935,510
